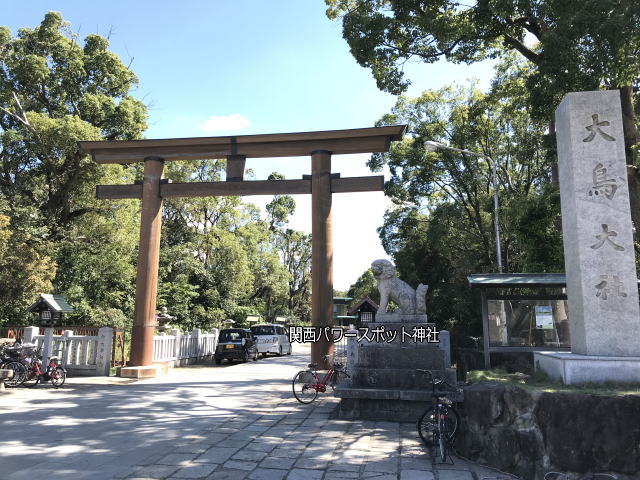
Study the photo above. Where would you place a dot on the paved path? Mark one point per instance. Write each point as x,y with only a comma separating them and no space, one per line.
229,422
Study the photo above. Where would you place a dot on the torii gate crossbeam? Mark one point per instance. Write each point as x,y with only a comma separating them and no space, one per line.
322,184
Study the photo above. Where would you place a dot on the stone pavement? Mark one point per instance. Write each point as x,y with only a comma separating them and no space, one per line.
229,422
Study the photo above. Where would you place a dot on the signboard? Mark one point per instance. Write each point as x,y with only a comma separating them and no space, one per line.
544,316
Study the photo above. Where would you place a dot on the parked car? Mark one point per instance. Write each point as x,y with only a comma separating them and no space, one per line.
271,338
236,344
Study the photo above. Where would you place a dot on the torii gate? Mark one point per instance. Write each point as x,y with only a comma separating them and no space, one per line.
321,185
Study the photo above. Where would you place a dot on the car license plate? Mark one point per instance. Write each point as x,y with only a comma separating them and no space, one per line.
228,346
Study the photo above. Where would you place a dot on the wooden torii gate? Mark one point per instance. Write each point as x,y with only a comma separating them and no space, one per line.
321,185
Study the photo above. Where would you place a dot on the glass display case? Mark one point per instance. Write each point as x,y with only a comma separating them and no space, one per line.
522,312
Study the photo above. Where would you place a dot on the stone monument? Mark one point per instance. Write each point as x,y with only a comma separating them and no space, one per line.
602,284
382,357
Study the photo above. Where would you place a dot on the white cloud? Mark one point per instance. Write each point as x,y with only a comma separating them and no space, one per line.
219,123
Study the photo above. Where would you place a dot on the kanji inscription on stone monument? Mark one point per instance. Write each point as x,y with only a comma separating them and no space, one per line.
608,287
595,129
601,184
604,237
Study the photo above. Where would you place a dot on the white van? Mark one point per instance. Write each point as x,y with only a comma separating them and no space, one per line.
271,338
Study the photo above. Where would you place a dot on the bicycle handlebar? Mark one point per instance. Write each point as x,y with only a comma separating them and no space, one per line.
435,380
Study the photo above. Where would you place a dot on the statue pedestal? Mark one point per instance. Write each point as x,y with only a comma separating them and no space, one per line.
394,317
384,384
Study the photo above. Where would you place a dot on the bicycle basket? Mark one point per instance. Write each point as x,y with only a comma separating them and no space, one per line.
13,352
29,350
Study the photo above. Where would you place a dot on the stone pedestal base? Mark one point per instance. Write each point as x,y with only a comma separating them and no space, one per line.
572,368
5,374
386,404
384,383
393,317
150,371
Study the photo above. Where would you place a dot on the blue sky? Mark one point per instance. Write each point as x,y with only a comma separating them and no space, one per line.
210,68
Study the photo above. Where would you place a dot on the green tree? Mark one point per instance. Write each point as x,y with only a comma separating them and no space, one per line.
439,250
219,259
573,45
280,208
494,124
54,91
294,249
364,286
24,271
441,228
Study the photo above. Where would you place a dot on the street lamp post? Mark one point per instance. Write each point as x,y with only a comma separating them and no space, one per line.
431,146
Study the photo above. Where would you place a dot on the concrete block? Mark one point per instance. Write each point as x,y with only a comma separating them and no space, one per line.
574,368
392,317
409,357
103,356
151,371
391,378
5,374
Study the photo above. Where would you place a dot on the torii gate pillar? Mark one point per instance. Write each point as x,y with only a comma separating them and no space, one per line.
321,252
144,321
236,149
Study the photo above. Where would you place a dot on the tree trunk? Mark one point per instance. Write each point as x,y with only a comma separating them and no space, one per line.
631,139
631,136
633,177
554,166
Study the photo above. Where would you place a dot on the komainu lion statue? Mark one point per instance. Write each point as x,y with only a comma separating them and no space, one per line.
392,288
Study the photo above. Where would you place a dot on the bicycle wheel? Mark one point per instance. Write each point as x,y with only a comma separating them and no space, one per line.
302,385
337,378
428,425
31,377
442,440
19,373
58,377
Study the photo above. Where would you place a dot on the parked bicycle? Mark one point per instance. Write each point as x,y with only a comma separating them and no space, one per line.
306,383
55,373
588,476
439,424
10,360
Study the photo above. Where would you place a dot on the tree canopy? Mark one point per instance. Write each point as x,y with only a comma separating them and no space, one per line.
573,45
219,258
441,227
54,91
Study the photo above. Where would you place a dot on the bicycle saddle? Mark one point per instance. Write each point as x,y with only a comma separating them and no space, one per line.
312,365
338,366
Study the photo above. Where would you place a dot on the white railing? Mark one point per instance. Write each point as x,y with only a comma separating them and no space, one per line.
91,355
79,354
183,348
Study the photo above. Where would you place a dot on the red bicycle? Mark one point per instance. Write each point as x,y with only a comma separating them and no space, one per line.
306,383
54,372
